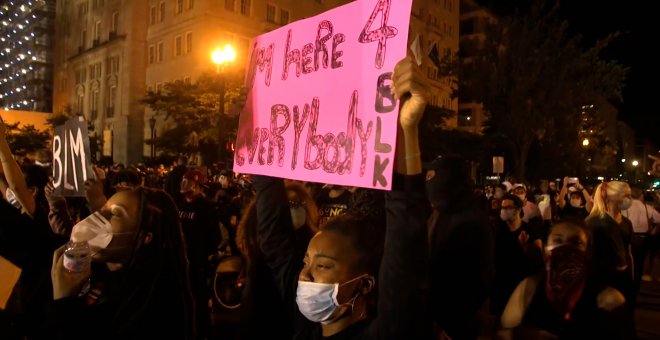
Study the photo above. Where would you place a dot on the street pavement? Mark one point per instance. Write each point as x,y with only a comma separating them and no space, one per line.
647,313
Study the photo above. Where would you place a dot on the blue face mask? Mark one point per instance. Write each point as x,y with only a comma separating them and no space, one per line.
318,301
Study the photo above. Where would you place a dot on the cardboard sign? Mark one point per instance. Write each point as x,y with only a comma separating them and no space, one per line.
10,275
319,106
71,158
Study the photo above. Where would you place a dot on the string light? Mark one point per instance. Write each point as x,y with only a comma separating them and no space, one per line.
18,52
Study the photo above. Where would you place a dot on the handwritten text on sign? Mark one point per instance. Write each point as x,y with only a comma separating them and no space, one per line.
71,158
319,106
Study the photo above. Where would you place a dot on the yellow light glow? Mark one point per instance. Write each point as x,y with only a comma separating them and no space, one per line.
585,142
635,163
222,56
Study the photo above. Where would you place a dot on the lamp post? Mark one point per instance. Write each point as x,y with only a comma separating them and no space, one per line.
221,58
152,125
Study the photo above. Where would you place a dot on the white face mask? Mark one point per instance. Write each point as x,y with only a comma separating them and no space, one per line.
95,229
298,217
318,301
625,204
11,199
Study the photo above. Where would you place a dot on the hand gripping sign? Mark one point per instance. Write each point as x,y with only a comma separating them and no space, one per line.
319,106
71,158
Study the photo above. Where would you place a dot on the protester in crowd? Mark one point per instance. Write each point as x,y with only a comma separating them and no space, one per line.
59,216
24,187
531,211
222,194
461,242
261,303
28,244
517,252
652,202
642,217
612,235
546,200
574,200
495,202
201,228
174,177
563,301
26,241
138,286
334,289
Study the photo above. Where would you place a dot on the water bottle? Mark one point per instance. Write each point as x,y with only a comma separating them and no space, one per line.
77,257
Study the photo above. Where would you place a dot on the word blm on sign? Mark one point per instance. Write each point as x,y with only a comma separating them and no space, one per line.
71,158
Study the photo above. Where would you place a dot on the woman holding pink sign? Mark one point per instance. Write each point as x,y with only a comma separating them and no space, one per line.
354,284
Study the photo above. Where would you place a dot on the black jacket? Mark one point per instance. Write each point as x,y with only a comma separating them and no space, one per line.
401,312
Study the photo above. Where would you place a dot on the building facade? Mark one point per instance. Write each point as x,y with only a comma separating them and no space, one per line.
26,63
100,63
436,23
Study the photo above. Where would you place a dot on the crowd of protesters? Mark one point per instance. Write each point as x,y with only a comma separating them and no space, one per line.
434,258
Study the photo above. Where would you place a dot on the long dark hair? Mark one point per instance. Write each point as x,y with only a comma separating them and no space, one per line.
160,263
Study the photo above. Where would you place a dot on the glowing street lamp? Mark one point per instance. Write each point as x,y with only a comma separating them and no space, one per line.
221,57
635,163
585,142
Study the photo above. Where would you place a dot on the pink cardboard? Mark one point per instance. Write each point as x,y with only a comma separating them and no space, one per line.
319,107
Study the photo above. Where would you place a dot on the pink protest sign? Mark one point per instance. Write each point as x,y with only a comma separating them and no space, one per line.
319,106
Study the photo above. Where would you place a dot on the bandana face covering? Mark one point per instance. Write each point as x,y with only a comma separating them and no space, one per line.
95,229
566,273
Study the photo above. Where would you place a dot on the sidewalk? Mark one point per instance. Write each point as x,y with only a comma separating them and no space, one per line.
647,313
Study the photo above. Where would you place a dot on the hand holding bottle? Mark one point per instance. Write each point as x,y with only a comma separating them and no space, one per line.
69,281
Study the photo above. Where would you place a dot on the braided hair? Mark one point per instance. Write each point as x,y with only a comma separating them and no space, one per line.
162,262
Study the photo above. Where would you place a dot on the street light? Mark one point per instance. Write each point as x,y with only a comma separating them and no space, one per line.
221,58
585,142
635,163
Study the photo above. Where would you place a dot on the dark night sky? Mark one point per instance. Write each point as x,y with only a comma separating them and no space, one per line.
596,19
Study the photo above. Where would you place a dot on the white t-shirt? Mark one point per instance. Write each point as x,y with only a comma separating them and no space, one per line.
640,215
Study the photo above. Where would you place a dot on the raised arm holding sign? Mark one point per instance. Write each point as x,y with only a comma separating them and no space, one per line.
319,106
14,175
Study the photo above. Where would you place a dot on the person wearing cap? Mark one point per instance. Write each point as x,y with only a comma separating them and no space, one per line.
530,209
201,232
